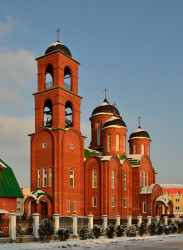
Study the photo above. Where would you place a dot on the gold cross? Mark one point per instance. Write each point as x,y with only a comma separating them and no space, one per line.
139,118
105,90
58,34
114,107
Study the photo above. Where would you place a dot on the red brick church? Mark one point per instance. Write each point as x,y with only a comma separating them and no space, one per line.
102,179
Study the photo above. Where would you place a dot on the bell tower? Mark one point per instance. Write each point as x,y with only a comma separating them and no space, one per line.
57,146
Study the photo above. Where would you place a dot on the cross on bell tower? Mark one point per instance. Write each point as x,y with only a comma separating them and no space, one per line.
105,90
139,118
58,30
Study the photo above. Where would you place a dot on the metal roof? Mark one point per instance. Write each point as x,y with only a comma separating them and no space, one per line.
8,184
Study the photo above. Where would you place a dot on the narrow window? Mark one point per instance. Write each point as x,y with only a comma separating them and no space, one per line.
144,176
44,177
71,177
117,142
108,143
112,202
134,149
124,203
75,205
94,201
98,133
124,181
142,148
94,178
47,113
49,76
67,78
147,179
124,143
39,177
148,151
50,177
68,205
144,206
140,178
112,179
68,115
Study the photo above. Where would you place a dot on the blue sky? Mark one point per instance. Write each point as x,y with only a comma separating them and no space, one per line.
134,48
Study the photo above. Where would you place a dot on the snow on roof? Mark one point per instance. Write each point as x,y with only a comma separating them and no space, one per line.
147,189
171,185
164,199
115,126
101,113
135,157
2,164
138,130
106,157
113,118
54,44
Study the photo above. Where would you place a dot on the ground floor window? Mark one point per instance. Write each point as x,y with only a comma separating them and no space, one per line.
68,205
94,201
112,202
144,206
75,205
124,203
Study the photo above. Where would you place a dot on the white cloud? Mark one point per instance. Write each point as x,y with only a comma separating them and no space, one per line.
6,27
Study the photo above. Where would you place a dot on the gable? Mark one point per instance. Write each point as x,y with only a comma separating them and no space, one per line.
9,186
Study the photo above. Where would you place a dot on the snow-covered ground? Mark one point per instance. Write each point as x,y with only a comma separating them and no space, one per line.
145,242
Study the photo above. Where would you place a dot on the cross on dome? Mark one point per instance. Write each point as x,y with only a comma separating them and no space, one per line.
114,107
105,90
58,34
139,118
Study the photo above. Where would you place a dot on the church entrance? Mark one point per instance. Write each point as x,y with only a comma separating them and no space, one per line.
44,209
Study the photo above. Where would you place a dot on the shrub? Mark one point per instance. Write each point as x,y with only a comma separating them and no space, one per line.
142,229
84,233
159,229
151,228
167,229
173,227
131,231
119,231
179,223
1,234
46,229
97,232
63,234
20,230
110,231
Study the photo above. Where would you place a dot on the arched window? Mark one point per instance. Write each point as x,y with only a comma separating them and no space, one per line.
142,148
49,76
68,115
75,205
124,181
39,177
148,151
67,78
117,142
108,143
134,149
98,133
48,113
50,177
94,178
144,178
140,178
112,179
147,177
71,177
124,143
44,177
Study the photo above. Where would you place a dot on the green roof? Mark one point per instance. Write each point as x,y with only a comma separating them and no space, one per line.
8,184
88,152
134,162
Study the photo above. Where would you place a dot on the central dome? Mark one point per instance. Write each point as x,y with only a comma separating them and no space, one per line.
58,47
105,108
114,121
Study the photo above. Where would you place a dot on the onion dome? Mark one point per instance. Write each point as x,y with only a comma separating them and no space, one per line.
139,133
114,122
58,47
105,108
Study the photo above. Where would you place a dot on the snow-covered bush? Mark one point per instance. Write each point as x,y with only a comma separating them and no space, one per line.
173,227
179,223
1,234
110,231
63,234
151,228
84,233
166,229
131,231
20,230
119,231
46,229
142,229
97,232
159,229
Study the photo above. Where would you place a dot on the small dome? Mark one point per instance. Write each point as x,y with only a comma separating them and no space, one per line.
105,108
58,47
139,133
115,122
